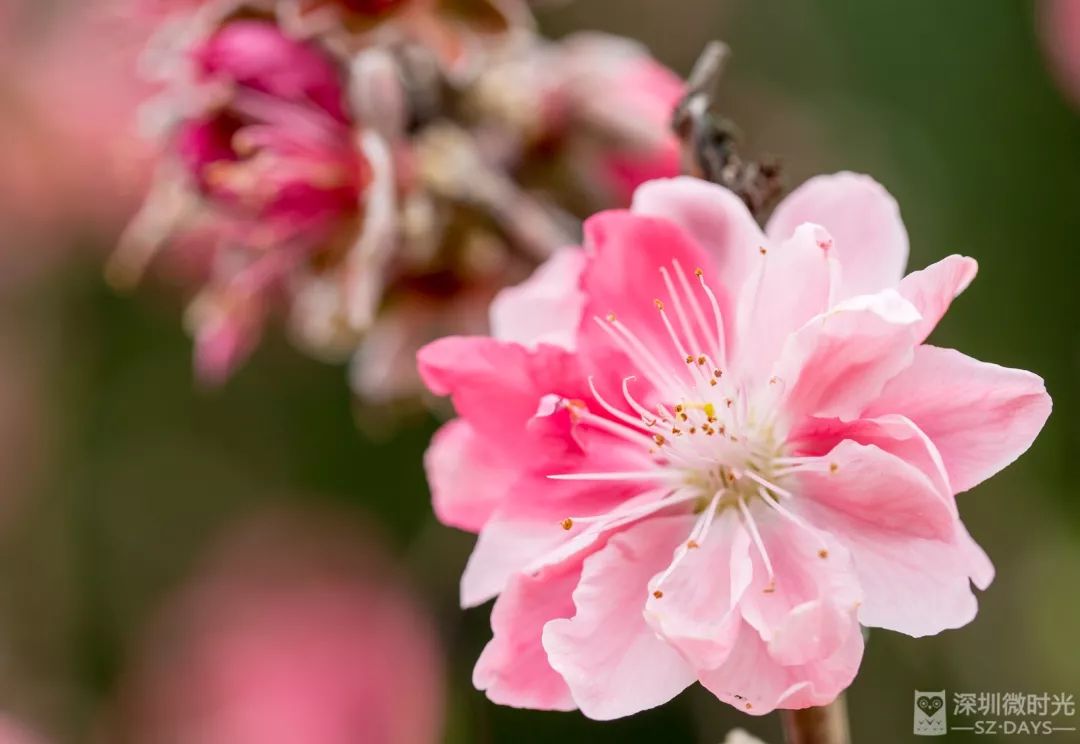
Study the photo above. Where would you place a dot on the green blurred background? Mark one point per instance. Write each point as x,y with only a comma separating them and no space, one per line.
126,471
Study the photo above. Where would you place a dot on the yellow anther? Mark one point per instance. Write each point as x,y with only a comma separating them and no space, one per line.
567,523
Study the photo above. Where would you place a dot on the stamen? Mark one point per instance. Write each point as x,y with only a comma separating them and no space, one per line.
695,306
616,519
637,354
751,527
823,552
697,536
771,486
627,475
620,415
721,337
584,416
684,322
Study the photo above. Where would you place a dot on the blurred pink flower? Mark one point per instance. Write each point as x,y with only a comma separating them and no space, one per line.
1059,27
594,106
696,451
290,634
12,732
456,32
68,94
274,172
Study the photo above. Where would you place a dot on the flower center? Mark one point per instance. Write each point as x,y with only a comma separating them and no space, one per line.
712,439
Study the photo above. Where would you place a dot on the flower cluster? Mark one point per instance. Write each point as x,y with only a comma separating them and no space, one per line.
696,451
373,171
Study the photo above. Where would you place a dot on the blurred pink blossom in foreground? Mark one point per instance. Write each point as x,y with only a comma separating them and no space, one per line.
694,451
292,634
68,95
360,168
12,732
1059,27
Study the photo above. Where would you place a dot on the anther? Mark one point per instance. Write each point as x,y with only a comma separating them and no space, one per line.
823,553
692,545
701,360
611,317
659,439
658,594
762,250
833,467
567,523
659,304
699,273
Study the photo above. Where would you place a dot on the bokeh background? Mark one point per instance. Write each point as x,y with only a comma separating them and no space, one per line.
151,532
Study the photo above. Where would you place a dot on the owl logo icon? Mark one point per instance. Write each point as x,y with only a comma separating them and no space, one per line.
930,713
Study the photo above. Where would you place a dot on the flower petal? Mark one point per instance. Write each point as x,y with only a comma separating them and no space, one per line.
497,385
466,483
837,363
614,664
756,683
893,433
713,216
803,609
876,489
862,217
912,555
697,610
513,668
933,289
981,416
546,307
790,284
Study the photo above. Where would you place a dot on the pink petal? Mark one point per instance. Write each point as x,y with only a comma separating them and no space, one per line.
513,668
714,217
837,363
466,483
790,284
546,307
933,289
864,219
914,585
697,612
756,683
895,434
614,664
507,544
980,416
805,610
913,558
497,385
876,490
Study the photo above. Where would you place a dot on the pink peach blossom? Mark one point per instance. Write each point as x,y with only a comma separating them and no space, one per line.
1059,27
13,732
296,630
695,451
266,164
